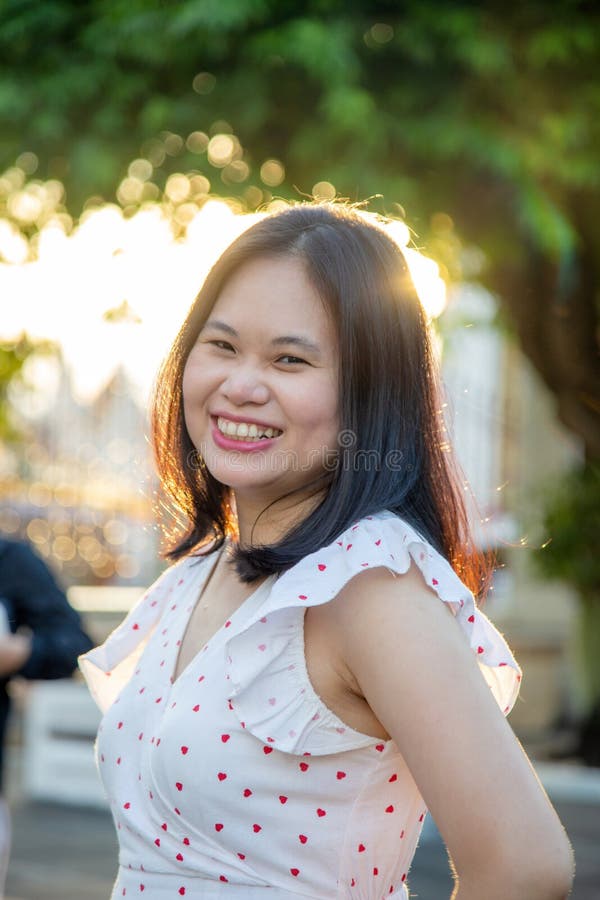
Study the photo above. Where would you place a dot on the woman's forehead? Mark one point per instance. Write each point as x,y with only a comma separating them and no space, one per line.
273,293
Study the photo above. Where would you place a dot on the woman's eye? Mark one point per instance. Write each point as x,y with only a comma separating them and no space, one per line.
222,345
291,359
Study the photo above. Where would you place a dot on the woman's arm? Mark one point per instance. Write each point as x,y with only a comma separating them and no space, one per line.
402,646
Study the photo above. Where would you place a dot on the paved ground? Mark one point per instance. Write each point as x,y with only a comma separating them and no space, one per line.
63,853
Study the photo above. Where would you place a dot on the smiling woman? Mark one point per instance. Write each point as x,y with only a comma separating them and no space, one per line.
313,674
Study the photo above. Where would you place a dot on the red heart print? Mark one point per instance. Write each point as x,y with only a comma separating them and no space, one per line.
421,817
222,878
120,725
283,799
303,766
389,809
142,887
127,805
352,883
256,828
219,826
340,775
361,848
480,650
179,785
242,855
118,760
179,857
393,777
157,841
302,838
267,749
321,567
177,811
302,597
186,841
377,543
182,891
184,750
135,627
321,812
247,792
222,776
196,707
140,735
164,826
295,872
402,834
375,870
379,747
434,581
227,623
225,738
262,647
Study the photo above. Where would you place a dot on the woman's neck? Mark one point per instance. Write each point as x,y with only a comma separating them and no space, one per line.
258,525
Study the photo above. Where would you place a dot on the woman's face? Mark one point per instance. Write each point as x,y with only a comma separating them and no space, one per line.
260,386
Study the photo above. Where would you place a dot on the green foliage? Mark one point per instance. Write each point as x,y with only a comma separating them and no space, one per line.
13,357
423,102
572,521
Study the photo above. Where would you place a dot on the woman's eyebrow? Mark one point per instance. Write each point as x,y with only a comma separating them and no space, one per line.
285,339
221,326
297,341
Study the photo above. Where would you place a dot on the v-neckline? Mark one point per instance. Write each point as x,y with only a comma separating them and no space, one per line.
184,626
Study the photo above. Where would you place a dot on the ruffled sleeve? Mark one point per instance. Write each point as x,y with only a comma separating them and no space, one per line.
108,668
269,685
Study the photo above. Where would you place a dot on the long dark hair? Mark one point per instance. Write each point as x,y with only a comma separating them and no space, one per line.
393,451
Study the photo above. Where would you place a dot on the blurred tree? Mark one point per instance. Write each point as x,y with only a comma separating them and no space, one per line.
573,521
13,358
482,112
482,119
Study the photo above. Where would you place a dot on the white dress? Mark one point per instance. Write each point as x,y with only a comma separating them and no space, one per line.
235,780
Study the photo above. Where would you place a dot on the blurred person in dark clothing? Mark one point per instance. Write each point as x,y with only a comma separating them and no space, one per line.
40,638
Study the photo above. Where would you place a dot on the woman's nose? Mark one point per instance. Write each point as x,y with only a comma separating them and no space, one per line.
245,386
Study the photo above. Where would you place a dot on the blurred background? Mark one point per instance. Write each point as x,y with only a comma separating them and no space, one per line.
136,140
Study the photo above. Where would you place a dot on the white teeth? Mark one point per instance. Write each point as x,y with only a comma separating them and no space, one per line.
245,430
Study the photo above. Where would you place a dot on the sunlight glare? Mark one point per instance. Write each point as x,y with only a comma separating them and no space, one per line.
111,262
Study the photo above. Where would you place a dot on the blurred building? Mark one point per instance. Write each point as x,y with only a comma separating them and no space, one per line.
511,447
80,486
